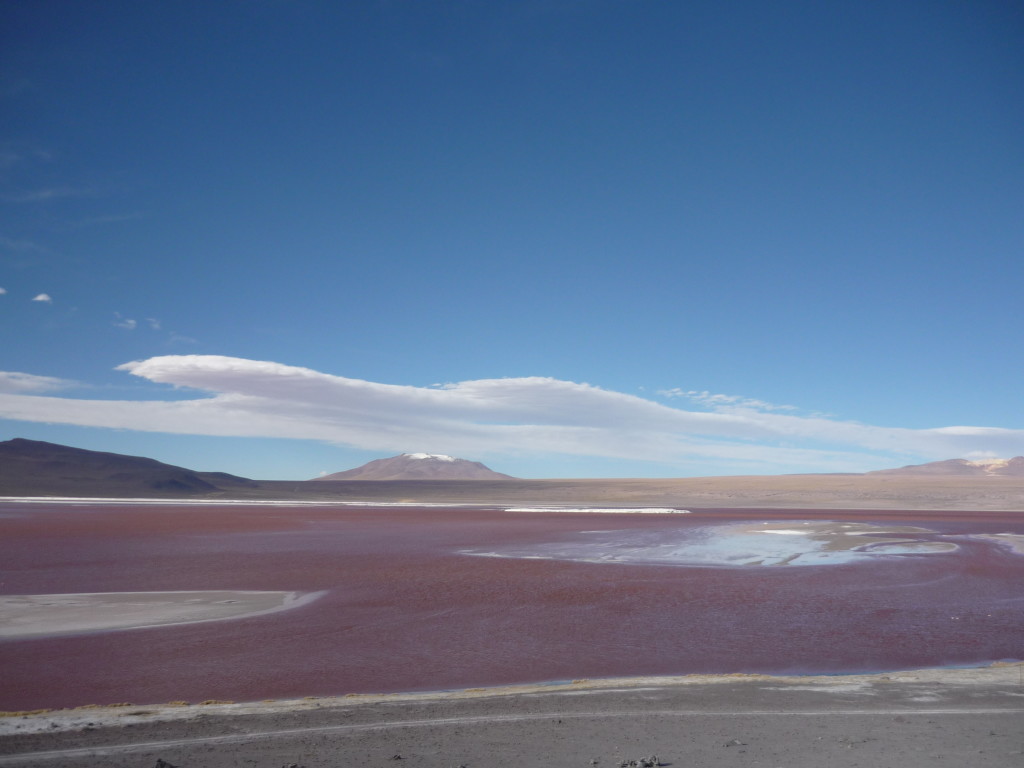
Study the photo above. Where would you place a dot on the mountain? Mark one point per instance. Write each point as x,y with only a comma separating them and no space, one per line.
962,467
419,466
37,468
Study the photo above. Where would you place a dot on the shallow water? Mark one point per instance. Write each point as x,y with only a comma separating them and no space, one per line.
740,544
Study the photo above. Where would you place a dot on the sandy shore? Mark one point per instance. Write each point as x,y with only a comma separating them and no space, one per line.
26,616
909,719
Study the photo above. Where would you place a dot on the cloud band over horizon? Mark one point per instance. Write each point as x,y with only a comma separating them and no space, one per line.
488,417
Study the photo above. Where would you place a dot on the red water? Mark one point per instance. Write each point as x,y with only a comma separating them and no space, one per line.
404,611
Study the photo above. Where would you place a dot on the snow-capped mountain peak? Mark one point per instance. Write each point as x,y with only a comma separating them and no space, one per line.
436,456
419,466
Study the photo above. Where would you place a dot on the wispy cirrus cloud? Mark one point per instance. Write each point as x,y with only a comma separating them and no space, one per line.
15,382
723,402
45,194
16,154
21,246
130,323
113,218
488,417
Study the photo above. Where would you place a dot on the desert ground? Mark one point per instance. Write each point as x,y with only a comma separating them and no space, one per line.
899,720
757,492
747,492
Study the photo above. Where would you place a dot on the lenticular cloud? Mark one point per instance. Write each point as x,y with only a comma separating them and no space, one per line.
535,415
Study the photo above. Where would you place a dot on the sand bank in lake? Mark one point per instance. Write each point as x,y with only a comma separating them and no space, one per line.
25,616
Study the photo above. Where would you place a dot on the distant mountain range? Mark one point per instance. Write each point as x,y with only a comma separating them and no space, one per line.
37,468
960,467
419,466
34,468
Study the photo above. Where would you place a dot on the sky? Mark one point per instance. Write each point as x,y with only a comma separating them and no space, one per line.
567,238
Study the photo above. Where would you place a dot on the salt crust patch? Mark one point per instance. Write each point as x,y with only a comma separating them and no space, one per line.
603,510
163,502
861,686
1015,541
28,616
744,545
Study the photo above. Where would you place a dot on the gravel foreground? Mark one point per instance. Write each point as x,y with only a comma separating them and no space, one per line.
951,717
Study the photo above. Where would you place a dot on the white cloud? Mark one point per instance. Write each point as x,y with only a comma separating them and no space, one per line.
2,291
12,381
130,324
125,322
723,402
45,297
533,415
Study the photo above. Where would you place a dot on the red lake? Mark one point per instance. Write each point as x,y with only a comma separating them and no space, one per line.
431,598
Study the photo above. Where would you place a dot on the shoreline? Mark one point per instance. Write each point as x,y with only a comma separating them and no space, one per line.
1005,673
914,719
517,508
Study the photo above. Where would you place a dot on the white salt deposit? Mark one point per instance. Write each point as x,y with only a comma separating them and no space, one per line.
608,510
24,616
80,500
734,544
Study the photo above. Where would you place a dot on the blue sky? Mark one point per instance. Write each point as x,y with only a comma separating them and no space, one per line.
601,238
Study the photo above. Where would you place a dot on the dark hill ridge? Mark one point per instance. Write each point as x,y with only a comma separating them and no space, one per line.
418,466
37,468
